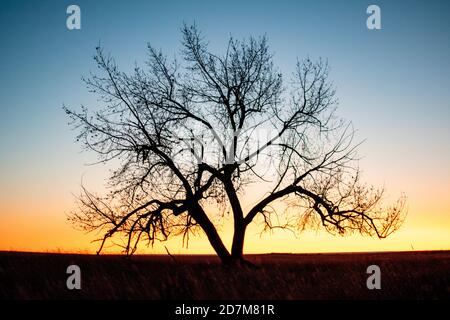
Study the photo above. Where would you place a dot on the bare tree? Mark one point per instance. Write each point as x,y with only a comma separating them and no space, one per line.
188,138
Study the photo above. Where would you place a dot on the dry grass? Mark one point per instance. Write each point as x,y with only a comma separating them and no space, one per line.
409,275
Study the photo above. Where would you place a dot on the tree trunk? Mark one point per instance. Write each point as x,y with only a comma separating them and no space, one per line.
213,236
237,248
217,244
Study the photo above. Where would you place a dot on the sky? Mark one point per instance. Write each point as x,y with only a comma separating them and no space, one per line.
393,84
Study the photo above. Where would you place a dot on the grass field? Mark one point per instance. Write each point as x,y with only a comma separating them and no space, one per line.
404,275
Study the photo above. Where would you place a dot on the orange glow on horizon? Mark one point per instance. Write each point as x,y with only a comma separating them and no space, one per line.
33,218
51,233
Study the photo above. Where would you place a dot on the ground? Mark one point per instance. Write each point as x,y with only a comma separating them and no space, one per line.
404,275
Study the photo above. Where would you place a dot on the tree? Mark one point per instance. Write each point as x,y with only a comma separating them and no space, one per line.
188,138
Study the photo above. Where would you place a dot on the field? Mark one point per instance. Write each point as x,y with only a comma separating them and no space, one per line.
404,275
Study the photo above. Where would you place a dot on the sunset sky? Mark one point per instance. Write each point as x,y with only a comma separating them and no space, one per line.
393,84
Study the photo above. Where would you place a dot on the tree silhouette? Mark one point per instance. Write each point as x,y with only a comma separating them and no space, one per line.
188,139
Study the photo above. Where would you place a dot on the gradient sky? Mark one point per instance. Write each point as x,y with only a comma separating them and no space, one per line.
393,84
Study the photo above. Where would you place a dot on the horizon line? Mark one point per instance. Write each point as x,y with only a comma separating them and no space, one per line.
214,255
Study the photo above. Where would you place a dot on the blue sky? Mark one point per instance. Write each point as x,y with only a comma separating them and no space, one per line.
392,83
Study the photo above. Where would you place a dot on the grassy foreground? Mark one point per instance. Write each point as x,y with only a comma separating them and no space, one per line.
404,275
